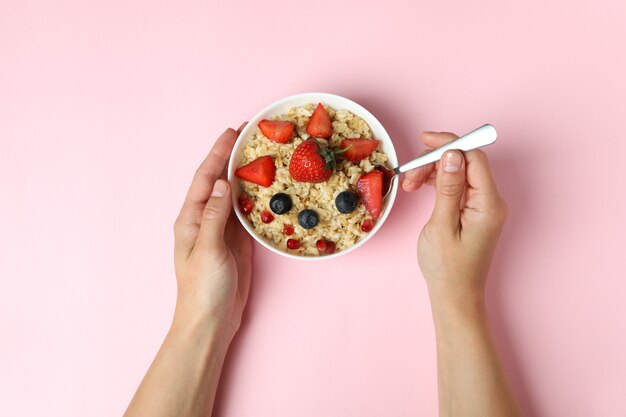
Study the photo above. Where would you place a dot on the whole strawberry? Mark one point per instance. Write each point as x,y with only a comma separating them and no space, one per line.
311,163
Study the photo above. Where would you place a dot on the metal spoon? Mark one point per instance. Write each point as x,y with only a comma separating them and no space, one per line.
483,136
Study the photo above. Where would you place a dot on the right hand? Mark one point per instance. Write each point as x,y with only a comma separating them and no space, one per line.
456,245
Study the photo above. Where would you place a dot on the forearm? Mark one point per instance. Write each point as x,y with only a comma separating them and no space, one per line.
183,379
470,376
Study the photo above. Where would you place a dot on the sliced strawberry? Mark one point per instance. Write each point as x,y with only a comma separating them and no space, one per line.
260,171
358,149
279,131
370,187
320,125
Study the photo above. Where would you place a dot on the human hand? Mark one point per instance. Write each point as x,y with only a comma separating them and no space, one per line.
456,245
212,252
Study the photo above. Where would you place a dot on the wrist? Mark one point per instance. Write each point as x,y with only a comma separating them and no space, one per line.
467,305
201,330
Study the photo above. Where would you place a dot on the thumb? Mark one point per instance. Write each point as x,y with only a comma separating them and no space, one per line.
215,215
450,188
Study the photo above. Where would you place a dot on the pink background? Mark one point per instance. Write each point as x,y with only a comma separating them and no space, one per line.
106,109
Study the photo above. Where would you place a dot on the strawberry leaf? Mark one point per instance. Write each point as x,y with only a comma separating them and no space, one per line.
327,156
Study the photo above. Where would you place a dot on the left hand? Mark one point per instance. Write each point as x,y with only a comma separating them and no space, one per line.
213,252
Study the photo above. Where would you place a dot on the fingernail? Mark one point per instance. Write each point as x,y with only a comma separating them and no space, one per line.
219,189
452,162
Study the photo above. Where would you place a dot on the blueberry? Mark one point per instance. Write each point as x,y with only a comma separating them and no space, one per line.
280,203
346,202
307,219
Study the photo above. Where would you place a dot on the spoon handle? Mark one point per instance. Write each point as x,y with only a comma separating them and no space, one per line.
483,136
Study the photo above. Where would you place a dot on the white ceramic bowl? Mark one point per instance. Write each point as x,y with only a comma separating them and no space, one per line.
281,106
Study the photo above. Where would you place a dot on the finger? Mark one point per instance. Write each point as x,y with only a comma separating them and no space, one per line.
214,217
450,188
437,139
225,170
240,128
479,174
190,217
432,180
240,243
415,178
244,260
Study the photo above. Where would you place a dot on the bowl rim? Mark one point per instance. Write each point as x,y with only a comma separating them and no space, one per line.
268,111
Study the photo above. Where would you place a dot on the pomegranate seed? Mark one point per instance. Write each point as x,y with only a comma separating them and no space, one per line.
266,216
330,247
245,203
288,230
321,246
293,243
325,247
367,226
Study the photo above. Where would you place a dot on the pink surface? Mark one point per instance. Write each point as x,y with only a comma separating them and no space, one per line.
106,109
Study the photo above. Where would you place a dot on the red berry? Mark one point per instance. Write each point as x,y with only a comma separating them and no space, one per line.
266,216
245,203
260,171
288,230
320,125
325,247
367,226
279,131
357,149
311,163
370,187
293,243
330,247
